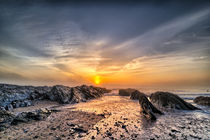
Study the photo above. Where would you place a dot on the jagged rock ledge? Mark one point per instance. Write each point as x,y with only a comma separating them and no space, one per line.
167,100
14,96
164,101
147,109
7,118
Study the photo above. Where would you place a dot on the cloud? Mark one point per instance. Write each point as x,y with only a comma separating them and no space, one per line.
63,67
74,56
152,41
5,75
73,40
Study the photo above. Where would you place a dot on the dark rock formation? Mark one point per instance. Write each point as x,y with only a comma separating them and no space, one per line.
91,92
24,117
14,96
77,96
60,93
126,92
5,119
64,94
201,100
40,92
5,116
170,101
136,94
147,108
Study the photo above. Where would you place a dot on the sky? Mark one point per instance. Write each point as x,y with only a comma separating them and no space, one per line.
111,44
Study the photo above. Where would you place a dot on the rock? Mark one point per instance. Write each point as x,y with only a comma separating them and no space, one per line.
28,103
79,130
2,108
59,93
70,124
124,126
136,94
35,137
147,108
20,118
2,127
126,92
5,119
40,92
52,128
9,107
170,101
14,96
58,138
201,100
9,93
77,95
108,133
175,131
91,92
6,116
64,94
21,103
15,104
24,117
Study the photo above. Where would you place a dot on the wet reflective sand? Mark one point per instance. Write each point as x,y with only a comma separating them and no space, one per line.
112,117
125,121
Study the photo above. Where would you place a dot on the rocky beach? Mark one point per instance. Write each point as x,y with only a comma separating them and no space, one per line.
87,112
104,70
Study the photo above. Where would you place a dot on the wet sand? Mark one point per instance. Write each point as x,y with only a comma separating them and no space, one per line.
111,117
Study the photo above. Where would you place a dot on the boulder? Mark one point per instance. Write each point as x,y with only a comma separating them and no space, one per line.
168,100
6,116
24,117
136,94
126,92
147,108
5,119
202,100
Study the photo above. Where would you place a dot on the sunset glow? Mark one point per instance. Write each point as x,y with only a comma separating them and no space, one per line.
97,80
74,46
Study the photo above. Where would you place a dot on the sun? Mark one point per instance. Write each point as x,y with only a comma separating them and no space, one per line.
97,80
